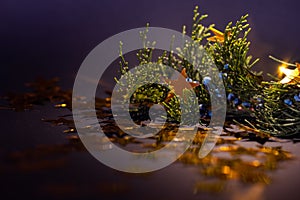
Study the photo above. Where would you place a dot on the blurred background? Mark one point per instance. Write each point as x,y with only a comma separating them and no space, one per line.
51,38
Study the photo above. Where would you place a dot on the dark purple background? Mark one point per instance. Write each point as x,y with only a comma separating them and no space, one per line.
51,38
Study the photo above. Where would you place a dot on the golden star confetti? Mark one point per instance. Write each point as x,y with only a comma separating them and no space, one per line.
178,87
218,36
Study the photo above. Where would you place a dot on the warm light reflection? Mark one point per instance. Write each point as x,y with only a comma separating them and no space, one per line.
226,170
256,163
63,105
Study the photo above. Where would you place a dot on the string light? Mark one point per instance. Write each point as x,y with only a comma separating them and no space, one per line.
290,74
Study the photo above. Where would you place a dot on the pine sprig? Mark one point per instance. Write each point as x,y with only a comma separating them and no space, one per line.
280,113
270,107
232,59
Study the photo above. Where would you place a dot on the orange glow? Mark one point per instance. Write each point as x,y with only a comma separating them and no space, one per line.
290,74
256,163
226,169
281,69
